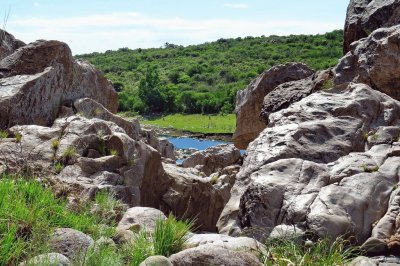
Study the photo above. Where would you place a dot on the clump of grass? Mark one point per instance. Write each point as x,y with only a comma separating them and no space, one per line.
328,84
18,137
29,213
3,134
58,167
113,152
170,235
107,207
284,252
214,179
69,153
101,254
139,250
368,169
55,143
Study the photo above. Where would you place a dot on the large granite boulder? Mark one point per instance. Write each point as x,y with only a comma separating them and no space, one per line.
70,243
290,92
8,44
213,255
373,61
213,159
190,195
250,100
365,16
320,165
39,78
86,155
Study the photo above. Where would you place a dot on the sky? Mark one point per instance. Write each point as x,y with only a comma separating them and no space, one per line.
96,26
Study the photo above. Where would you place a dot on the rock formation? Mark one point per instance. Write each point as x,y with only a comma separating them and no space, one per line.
373,61
365,16
41,77
8,44
249,101
213,159
317,166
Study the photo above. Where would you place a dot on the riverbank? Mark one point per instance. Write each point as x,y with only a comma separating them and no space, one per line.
215,127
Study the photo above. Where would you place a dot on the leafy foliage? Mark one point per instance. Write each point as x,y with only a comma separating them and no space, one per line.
205,78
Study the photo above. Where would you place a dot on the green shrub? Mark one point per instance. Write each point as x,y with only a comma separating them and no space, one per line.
325,252
58,167
170,235
139,250
3,134
69,153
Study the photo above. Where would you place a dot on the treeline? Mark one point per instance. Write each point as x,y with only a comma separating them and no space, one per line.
205,78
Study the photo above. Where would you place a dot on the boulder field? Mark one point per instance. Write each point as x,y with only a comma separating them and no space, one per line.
323,148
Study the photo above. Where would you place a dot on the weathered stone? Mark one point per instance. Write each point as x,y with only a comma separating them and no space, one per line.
92,109
39,78
362,261
365,16
49,259
156,261
8,44
371,61
249,101
212,255
213,159
293,91
191,196
312,167
70,243
231,243
145,217
162,145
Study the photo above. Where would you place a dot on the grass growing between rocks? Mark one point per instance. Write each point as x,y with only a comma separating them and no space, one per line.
283,252
29,213
196,123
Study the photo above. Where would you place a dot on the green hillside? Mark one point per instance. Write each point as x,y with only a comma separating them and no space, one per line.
204,78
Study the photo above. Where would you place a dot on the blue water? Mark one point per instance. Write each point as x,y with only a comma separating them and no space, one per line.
199,144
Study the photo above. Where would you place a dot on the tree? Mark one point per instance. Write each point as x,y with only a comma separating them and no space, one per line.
150,91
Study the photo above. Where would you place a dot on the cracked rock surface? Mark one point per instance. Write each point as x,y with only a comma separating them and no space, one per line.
328,163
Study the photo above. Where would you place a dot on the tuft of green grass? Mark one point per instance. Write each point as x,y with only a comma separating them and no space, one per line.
170,235
206,124
368,169
328,84
139,250
214,179
29,214
58,167
113,152
3,134
55,143
69,153
282,252
100,255
18,137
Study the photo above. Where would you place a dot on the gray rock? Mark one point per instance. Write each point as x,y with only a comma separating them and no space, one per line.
312,167
192,196
8,44
290,92
145,217
212,255
70,243
250,100
362,261
49,259
39,78
371,61
231,243
365,16
162,145
156,261
213,159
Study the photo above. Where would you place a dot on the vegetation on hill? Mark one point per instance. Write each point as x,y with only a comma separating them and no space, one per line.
205,78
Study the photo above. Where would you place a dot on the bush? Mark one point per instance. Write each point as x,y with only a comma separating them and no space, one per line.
323,252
